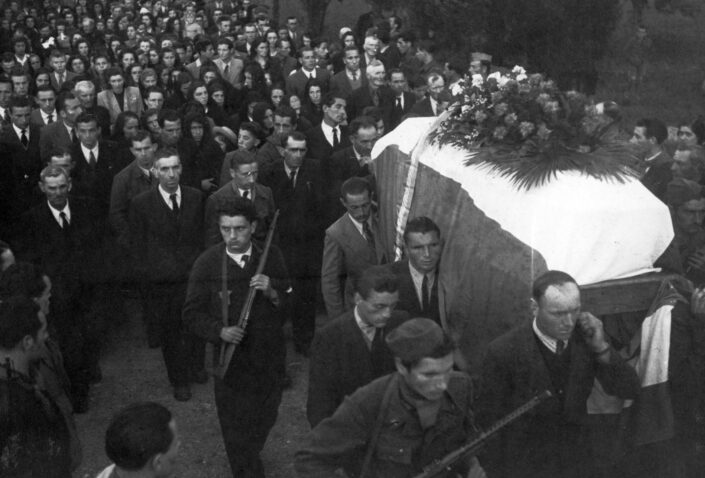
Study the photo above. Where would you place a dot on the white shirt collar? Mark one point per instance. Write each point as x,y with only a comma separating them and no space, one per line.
56,213
167,198
368,331
328,132
238,257
549,342
434,105
250,193
417,279
18,131
46,115
87,152
358,225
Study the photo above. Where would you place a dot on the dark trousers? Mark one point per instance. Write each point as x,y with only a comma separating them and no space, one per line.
304,265
246,416
182,352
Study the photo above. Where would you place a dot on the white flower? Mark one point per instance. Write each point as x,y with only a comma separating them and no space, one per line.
496,76
477,81
456,89
517,70
501,80
465,109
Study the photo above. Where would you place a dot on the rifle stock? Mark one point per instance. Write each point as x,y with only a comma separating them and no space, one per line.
474,446
227,350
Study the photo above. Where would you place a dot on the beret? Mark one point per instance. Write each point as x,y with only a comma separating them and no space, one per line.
415,339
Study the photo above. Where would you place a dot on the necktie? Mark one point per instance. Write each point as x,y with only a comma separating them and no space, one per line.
24,139
64,221
50,118
425,302
354,75
368,235
6,116
336,140
246,194
74,138
245,258
398,105
377,353
174,204
91,159
560,347
225,71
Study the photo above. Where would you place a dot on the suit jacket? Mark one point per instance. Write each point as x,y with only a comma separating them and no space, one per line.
409,299
296,81
659,175
194,68
70,258
422,108
128,183
362,98
396,114
55,83
514,371
235,67
36,119
341,363
54,136
288,64
95,181
346,254
319,148
25,169
341,83
132,101
164,246
264,205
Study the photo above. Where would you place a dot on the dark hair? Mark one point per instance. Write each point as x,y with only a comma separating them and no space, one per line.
377,279
167,114
138,433
113,71
19,102
62,98
202,45
420,225
329,98
18,319
548,279
286,111
199,118
237,207
446,347
22,278
407,35
355,185
654,128
140,136
166,153
361,122
698,128
120,123
225,41
86,117
294,135
253,128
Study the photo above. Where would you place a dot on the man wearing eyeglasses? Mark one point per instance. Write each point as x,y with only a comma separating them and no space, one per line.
243,171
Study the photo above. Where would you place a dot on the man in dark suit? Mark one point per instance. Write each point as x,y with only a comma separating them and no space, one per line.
95,162
649,135
171,136
349,162
46,113
248,395
329,136
61,134
351,245
376,94
20,152
59,75
243,171
296,82
296,185
350,351
403,99
352,77
430,106
166,225
85,92
549,353
418,273
64,236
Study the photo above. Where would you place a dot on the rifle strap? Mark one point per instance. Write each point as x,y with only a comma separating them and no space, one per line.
372,444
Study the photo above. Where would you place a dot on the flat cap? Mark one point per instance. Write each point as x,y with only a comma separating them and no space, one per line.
415,339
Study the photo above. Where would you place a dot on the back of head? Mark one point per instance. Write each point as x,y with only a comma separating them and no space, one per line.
138,433
18,319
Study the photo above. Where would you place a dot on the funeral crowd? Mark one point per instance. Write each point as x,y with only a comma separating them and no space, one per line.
217,167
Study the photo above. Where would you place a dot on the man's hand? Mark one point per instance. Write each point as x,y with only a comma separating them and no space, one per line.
263,283
697,303
593,332
232,335
208,184
697,260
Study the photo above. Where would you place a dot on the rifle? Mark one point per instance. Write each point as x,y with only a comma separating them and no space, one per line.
228,350
471,448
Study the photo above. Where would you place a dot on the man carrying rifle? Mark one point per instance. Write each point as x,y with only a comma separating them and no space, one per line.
402,422
248,394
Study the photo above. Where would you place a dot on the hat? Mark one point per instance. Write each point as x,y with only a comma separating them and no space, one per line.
479,56
415,339
680,191
343,31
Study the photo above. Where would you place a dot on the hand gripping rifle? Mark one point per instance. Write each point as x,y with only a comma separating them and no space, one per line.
227,350
474,446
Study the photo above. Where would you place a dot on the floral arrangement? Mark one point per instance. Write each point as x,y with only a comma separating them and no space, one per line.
522,126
